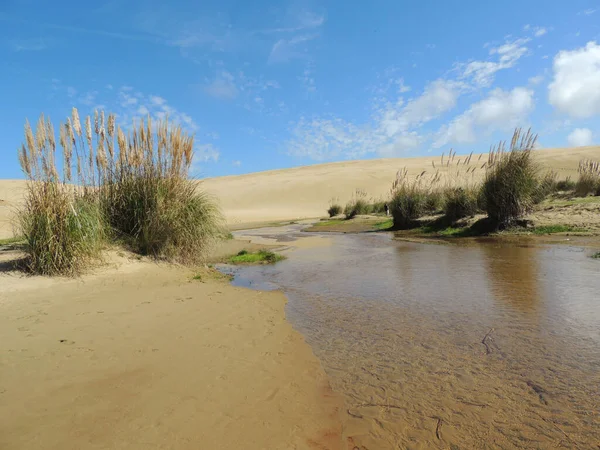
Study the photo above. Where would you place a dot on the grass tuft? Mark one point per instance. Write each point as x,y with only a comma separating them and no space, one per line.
589,179
334,210
596,255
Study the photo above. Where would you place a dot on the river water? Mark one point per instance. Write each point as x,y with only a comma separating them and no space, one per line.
482,344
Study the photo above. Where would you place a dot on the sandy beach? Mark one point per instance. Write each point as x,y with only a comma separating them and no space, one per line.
142,356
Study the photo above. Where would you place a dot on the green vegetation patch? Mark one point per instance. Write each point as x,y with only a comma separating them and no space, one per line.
13,240
596,255
385,225
551,229
260,257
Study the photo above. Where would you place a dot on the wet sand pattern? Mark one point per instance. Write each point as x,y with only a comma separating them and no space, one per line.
486,345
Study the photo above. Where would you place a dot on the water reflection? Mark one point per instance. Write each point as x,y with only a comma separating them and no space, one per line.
512,271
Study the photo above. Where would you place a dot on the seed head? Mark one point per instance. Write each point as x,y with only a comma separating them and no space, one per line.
76,122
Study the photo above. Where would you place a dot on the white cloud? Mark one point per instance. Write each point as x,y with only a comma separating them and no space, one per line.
575,88
588,12
580,137
307,78
155,99
393,128
540,32
508,54
285,50
89,98
534,81
237,163
71,92
223,86
205,153
501,110
437,98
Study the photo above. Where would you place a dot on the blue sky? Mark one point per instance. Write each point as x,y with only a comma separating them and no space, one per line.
273,84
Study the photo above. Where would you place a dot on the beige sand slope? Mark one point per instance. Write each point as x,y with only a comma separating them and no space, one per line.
305,191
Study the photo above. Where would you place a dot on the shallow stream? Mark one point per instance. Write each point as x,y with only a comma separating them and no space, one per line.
482,344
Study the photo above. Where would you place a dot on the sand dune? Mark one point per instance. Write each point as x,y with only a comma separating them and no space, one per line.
305,191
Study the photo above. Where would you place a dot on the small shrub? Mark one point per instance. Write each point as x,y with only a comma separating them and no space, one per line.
565,185
589,178
596,255
358,205
242,252
334,210
434,201
547,185
511,181
460,202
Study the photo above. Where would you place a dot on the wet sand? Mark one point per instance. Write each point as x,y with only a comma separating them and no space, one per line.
141,357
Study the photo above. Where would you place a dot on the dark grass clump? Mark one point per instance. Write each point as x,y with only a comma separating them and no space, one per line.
565,185
461,202
510,187
589,179
334,210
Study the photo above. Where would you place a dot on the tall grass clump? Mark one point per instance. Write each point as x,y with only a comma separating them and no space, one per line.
132,187
147,195
589,178
461,202
358,205
62,224
409,198
511,181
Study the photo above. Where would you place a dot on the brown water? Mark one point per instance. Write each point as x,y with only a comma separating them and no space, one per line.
399,327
